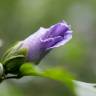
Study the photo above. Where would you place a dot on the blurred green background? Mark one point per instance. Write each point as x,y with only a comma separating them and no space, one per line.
20,18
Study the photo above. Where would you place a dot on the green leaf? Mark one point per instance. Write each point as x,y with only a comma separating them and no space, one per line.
57,74
29,69
62,76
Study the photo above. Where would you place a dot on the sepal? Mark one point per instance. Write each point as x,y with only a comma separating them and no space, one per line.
12,64
14,58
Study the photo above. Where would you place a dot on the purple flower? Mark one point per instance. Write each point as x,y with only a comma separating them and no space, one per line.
45,39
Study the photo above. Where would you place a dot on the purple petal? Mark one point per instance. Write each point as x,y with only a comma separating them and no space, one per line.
45,39
67,38
51,41
57,30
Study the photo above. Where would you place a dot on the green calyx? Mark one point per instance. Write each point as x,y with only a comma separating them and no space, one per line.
14,58
12,64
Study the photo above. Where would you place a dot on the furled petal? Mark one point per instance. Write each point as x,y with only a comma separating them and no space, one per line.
45,39
47,43
58,29
67,38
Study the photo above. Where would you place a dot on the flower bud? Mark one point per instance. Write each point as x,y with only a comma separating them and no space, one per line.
45,39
